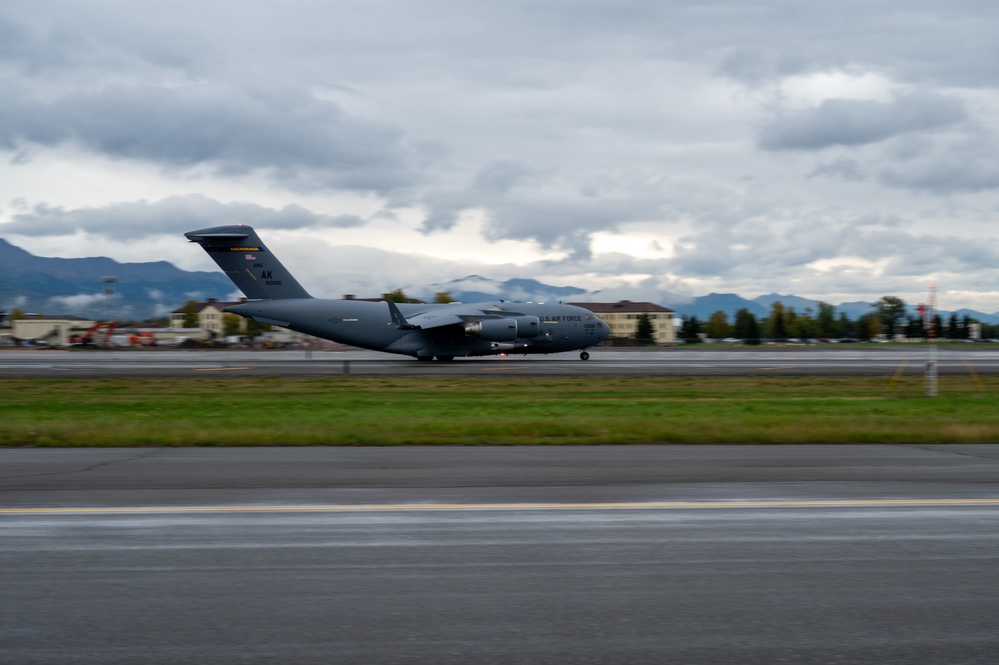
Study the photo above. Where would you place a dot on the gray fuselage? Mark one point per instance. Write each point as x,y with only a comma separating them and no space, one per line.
536,327
419,330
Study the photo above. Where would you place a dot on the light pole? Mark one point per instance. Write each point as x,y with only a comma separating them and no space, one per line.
929,325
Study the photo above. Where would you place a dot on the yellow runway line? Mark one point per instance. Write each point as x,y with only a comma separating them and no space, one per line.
898,375
974,375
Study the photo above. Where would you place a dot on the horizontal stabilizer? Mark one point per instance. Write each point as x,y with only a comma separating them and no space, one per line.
197,236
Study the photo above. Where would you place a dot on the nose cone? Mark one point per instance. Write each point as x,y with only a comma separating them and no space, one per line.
603,330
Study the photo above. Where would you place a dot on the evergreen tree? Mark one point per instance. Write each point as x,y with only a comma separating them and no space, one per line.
847,328
914,328
791,322
746,327
690,330
753,338
777,322
442,297
826,321
644,332
954,328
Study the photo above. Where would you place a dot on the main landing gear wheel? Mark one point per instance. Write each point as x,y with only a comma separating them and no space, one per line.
584,356
445,359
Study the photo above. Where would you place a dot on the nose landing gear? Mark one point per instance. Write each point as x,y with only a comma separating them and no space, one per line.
583,355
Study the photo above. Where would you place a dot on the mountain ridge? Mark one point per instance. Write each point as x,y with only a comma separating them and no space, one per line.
54,286
704,306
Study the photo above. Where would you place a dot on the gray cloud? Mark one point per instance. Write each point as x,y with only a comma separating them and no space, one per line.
924,143
913,42
844,168
171,216
775,256
557,119
295,138
848,122
747,248
556,209
946,165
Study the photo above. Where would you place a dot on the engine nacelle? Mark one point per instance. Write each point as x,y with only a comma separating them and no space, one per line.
493,330
527,326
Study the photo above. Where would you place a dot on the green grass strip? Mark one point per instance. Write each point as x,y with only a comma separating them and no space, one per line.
232,411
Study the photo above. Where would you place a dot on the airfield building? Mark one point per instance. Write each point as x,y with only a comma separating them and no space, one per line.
210,316
622,317
48,330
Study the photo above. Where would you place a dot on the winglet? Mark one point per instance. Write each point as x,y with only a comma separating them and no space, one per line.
398,318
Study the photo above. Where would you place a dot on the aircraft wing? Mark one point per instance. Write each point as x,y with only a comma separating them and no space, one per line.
452,316
435,320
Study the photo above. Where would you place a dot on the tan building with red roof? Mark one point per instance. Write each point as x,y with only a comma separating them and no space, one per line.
622,317
210,316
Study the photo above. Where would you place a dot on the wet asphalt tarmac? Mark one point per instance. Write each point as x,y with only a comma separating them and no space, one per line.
603,554
842,359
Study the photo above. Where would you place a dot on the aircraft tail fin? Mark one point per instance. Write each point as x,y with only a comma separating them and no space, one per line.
248,263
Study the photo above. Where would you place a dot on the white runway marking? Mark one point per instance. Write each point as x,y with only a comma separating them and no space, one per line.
405,507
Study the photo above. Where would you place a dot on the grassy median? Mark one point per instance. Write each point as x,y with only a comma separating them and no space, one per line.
233,411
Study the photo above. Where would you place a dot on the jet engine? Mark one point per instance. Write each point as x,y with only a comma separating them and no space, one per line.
493,330
506,329
527,326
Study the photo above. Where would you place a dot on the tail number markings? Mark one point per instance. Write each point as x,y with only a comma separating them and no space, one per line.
269,278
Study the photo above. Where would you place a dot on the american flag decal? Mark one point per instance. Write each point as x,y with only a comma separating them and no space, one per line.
251,257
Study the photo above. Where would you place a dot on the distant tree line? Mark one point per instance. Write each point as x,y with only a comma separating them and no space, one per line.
888,318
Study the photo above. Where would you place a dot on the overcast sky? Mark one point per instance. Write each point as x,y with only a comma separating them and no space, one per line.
642,148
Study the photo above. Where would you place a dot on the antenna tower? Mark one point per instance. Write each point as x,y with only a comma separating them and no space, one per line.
109,283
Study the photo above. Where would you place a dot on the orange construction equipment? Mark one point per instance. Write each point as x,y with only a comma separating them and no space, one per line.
92,336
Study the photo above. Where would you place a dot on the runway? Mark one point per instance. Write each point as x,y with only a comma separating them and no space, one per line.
980,359
601,554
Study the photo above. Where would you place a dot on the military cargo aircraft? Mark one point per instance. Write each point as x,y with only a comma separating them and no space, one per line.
441,331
